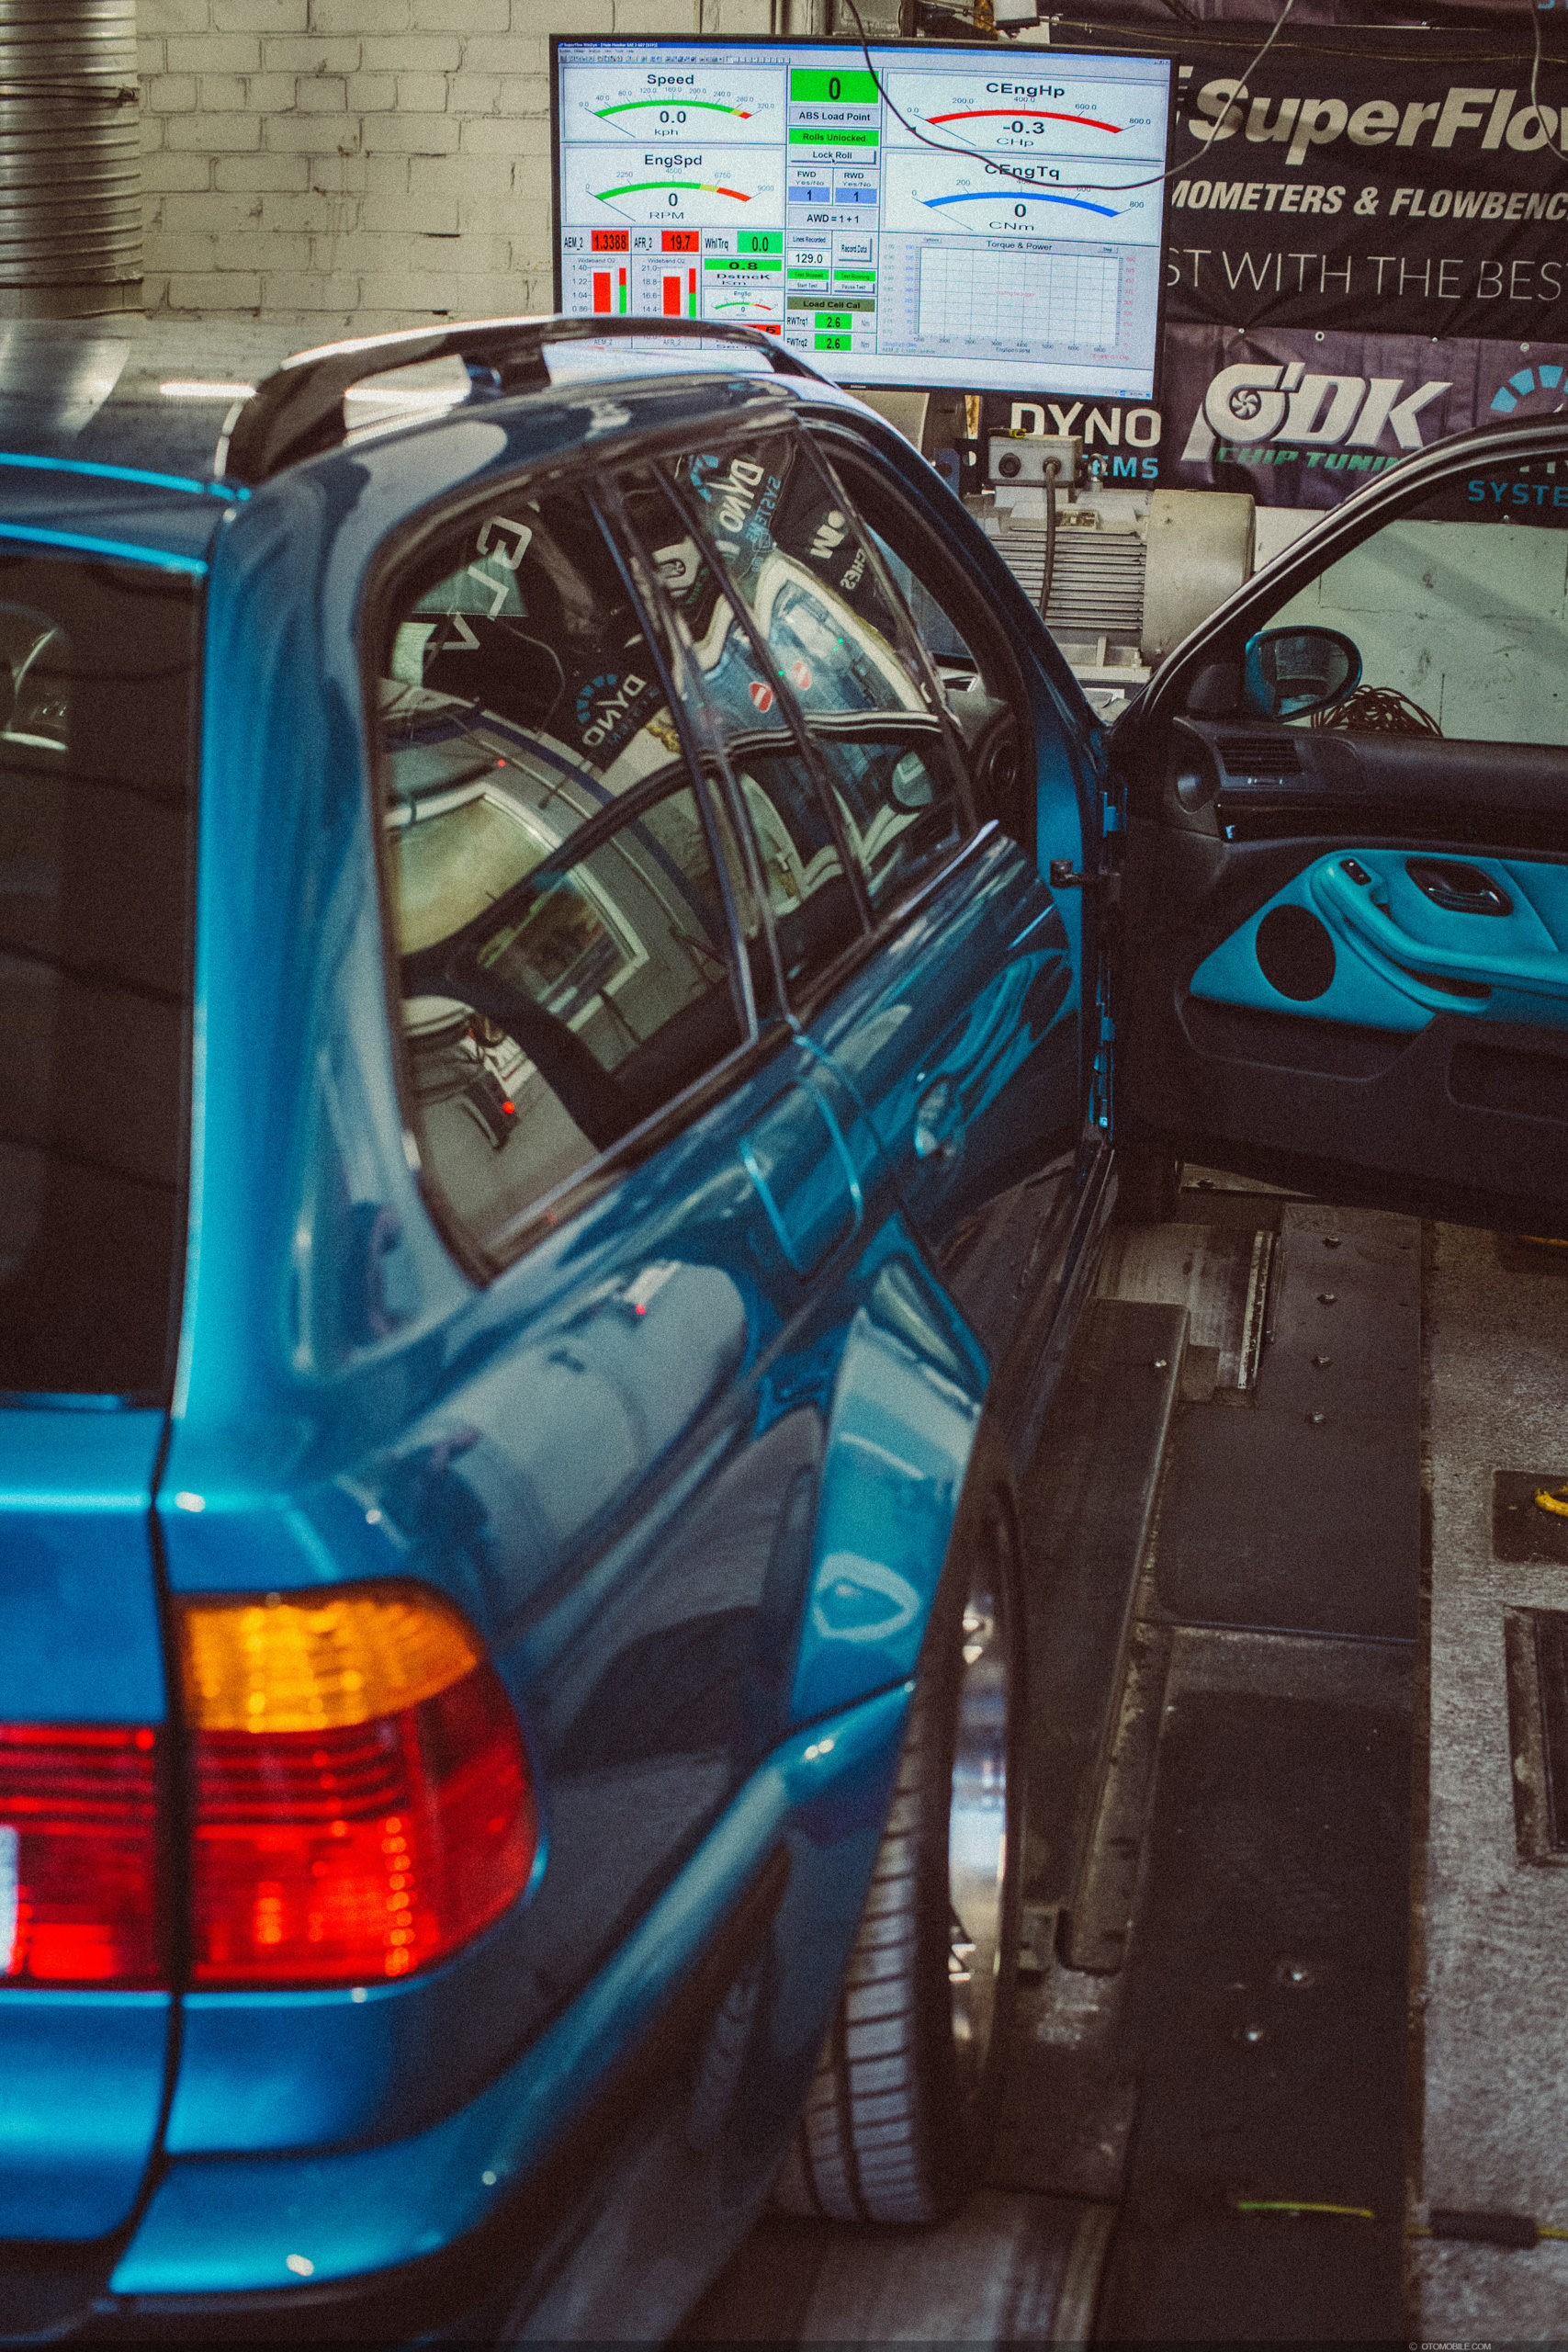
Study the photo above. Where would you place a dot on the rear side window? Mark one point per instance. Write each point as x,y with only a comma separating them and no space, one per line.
561,929
842,648
97,691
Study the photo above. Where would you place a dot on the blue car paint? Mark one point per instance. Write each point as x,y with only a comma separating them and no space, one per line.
1387,932
226,2225
343,1409
83,2073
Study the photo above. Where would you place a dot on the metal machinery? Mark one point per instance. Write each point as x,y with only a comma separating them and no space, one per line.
1124,572
1131,571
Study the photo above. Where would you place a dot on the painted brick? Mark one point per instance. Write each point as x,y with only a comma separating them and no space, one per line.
338,175
474,93
222,133
226,93
412,54
260,16
383,175
209,216
307,290
525,93
270,93
372,92
409,134
311,134
172,16
422,93
462,15
151,129
416,216
439,175
261,173
216,289
170,94
432,294
322,93
507,53
489,134
161,172
361,15
150,57
214,53
340,56
496,213
598,16
654,16
313,214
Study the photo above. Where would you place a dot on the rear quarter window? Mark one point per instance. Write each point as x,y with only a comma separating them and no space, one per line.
97,699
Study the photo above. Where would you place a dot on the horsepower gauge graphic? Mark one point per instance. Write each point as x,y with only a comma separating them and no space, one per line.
1011,114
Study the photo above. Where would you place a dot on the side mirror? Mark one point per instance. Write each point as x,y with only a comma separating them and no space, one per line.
1290,673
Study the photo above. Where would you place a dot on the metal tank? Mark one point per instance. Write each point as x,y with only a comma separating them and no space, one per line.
70,159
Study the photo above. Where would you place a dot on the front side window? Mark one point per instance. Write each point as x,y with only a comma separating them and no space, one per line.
562,936
1458,610
97,693
841,647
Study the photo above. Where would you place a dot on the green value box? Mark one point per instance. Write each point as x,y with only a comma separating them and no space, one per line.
855,277
809,87
811,277
728,268
832,342
837,135
758,241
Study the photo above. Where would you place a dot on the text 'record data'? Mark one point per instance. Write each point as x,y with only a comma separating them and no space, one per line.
772,184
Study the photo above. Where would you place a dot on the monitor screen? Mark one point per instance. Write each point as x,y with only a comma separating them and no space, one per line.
970,216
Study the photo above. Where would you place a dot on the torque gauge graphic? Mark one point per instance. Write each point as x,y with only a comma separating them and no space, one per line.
967,197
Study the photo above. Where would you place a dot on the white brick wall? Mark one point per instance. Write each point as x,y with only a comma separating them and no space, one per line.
368,163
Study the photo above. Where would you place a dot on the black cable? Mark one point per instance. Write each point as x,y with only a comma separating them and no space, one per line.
1091,187
1052,470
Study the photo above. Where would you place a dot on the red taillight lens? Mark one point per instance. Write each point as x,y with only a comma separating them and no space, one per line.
78,1855
361,1800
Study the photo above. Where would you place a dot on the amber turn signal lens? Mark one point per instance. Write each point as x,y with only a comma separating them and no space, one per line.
361,1803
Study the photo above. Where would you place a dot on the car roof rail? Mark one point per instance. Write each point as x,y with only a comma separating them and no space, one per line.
298,412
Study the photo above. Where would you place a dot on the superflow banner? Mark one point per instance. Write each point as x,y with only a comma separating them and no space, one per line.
1367,248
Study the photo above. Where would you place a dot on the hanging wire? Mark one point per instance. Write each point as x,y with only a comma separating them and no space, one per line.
1092,187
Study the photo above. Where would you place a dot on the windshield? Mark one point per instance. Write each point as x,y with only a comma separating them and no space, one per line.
97,698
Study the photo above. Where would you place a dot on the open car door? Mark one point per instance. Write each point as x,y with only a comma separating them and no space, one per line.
1343,960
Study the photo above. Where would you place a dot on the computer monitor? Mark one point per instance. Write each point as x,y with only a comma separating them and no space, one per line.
967,215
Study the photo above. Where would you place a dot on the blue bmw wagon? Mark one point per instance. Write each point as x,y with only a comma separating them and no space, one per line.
555,1049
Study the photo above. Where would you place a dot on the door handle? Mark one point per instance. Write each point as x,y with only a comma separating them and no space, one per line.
1457,888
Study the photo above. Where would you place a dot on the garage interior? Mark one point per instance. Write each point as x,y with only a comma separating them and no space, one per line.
1290,2041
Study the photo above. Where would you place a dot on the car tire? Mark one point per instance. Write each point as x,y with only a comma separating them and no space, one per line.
1148,1187
902,2106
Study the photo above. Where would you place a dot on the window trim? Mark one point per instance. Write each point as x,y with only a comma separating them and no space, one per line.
973,616
482,1257
878,922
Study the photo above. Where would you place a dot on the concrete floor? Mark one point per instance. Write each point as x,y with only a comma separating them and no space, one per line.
1492,1997
1488,2110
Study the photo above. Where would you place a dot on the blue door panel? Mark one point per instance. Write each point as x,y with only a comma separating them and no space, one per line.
1396,957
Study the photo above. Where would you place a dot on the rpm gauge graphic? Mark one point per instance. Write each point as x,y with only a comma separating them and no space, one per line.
697,187
632,110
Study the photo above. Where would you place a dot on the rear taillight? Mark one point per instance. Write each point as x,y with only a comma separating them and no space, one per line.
360,1798
78,1855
